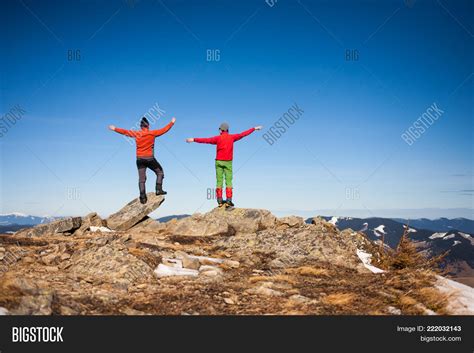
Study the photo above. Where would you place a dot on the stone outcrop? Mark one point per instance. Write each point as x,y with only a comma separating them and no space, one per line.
91,220
65,225
291,221
134,212
198,226
244,220
220,222
110,262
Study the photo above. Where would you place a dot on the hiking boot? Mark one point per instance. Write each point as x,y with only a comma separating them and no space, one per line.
220,203
229,203
159,190
143,198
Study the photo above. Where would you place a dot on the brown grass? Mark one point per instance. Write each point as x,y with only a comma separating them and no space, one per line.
414,292
276,278
339,299
433,299
308,271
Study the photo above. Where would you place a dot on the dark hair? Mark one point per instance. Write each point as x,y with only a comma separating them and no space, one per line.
144,122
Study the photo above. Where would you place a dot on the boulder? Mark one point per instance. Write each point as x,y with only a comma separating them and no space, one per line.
91,220
68,224
198,226
244,220
111,262
291,221
134,212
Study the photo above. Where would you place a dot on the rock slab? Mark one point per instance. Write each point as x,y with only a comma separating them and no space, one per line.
134,212
60,226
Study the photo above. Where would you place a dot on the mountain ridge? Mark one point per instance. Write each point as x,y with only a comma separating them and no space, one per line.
235,261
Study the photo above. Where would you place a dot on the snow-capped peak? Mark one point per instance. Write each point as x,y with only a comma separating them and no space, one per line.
16,214
380,230
438,235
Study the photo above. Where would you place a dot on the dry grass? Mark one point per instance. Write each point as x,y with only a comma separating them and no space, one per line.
339,299
308,271
414,292
406,301
433,299
276,278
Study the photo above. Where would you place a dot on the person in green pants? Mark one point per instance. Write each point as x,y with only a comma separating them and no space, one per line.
224,156
224,170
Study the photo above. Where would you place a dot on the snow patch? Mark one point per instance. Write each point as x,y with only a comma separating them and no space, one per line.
16,214
450,236
467,236
167,271
438,235
409,230
333,220
456,242
99,229
365,258
461,301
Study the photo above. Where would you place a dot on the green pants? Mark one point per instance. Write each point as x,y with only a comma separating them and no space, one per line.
224,169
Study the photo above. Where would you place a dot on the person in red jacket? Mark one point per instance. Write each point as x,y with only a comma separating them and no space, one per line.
145,141
224,156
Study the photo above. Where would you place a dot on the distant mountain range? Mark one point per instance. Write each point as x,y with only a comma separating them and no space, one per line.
23,219
460,244
440,224
15,221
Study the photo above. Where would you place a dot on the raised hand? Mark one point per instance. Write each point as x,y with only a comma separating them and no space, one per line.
112,127
259,127
173,120
189,140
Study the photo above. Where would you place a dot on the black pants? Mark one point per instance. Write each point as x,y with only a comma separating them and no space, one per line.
152,163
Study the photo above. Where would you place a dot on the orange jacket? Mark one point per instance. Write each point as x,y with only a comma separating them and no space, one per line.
145,138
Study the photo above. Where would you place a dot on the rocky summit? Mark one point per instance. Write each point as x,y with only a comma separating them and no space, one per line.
242,261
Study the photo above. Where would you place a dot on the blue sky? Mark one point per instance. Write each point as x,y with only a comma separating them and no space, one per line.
344,155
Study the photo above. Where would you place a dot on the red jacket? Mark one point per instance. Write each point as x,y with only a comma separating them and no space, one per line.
145,139
225,143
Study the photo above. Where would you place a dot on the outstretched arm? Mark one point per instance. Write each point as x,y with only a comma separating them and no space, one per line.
130,133
211,140
237,137
165,129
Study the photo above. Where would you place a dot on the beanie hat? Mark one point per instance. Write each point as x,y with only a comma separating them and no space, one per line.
144,122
